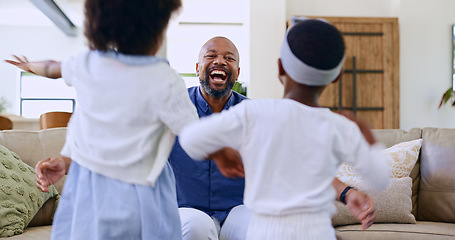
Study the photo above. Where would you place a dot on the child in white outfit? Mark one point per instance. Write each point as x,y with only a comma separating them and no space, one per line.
291,147
130,106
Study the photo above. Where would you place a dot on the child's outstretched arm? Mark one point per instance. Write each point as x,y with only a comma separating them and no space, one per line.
229,162
363,126
50,170
218,137
49,68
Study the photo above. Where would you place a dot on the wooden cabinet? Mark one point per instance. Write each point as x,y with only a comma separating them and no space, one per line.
370,83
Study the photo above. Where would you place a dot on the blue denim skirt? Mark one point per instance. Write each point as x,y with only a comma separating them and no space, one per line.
93,206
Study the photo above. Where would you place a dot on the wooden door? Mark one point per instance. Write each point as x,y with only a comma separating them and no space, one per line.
370,83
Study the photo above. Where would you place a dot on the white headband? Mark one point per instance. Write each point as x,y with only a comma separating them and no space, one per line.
303,73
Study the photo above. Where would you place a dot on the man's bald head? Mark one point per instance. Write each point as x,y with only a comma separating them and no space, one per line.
219,40
218,66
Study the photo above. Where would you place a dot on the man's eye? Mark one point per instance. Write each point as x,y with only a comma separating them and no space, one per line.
209,56
230,58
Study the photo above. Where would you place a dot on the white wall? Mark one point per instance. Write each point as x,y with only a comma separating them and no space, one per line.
267,25
348,8
425,62
425,50
24,30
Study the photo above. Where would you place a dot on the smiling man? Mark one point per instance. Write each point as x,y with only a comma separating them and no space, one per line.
211,204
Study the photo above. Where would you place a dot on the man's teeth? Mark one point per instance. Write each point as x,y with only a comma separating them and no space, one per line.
218,72
218,75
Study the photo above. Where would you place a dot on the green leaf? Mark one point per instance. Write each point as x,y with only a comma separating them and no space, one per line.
239,88
449,94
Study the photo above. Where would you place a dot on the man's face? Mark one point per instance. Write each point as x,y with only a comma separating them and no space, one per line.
218,67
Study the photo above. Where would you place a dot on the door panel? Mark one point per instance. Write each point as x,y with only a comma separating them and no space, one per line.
370,81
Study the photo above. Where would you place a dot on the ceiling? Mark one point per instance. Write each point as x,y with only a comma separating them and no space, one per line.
25,13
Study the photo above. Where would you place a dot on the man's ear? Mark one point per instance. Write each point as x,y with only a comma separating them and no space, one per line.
238,73
197,69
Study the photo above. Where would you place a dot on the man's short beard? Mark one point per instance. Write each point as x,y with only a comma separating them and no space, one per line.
213,92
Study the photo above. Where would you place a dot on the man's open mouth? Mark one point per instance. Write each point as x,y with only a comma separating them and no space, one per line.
218,75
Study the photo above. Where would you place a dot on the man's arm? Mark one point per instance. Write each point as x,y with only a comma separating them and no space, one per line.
360,205
49,68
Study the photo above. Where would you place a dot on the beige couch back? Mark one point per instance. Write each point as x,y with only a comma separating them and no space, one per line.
433,177
390,137
436,200
32,147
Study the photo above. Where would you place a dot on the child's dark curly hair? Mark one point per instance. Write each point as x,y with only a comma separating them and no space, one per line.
133,27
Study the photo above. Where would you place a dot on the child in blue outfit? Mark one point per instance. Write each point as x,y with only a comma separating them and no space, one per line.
130,106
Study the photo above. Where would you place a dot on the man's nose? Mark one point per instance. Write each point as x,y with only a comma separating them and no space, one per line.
220,60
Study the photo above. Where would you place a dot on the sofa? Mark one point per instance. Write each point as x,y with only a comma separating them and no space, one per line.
31,147
432,194
429,210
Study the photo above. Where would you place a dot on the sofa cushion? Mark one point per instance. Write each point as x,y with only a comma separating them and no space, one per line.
390,137
419,231
20,199
32,147
34,233
437,186
401,159
393,205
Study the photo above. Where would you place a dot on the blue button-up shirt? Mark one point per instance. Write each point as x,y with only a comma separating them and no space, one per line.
200,184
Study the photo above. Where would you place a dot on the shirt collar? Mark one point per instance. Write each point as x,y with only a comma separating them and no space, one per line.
205,107
132,59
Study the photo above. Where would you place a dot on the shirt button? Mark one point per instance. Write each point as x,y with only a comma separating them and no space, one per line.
213,193
213,170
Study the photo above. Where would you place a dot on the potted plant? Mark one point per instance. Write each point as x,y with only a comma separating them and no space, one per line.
449,96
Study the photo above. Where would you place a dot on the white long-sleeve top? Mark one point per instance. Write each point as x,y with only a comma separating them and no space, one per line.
290,152
128,111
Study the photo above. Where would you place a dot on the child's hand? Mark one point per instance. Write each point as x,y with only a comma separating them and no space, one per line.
21,63
363,126
49,68
229,162
49,171
361,207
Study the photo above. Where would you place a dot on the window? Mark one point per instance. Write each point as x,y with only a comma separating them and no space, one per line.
39,95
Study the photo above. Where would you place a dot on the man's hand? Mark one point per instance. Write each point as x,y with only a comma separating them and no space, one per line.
50,170
361,207
229,162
